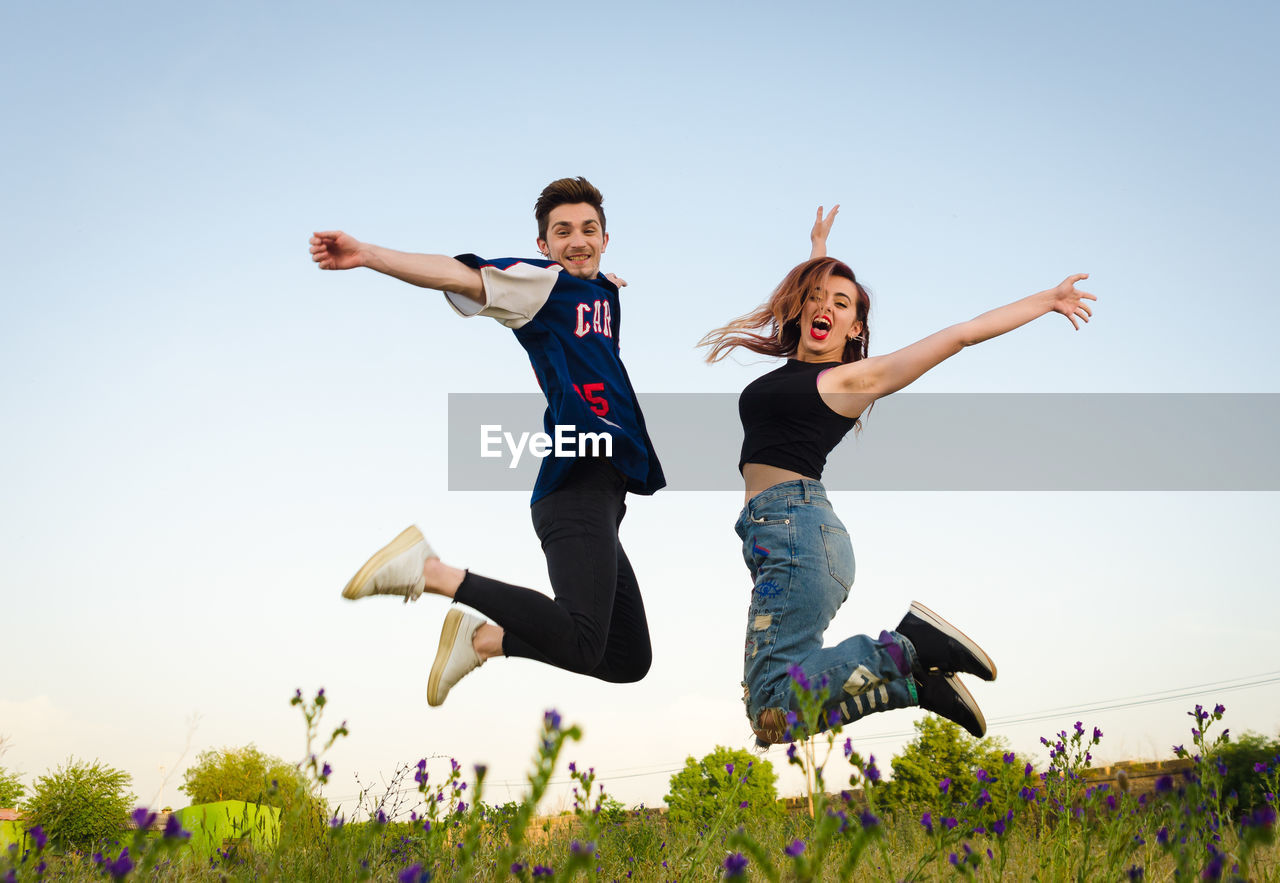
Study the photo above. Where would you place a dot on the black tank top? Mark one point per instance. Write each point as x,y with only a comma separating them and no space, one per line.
786,423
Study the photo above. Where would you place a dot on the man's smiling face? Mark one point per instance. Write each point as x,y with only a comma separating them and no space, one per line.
575,239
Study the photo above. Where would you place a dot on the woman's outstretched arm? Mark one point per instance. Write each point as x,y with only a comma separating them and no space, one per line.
871,378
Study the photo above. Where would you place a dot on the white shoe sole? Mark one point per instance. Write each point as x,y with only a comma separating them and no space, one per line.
954,633
361,585
448,634
967,698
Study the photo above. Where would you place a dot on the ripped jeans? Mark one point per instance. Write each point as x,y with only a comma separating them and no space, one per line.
801,563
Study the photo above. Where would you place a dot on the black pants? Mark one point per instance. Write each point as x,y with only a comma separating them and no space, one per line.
595,625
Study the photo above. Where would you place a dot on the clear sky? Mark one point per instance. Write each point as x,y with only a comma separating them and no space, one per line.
204,436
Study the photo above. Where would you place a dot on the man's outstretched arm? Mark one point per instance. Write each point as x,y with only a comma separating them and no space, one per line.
335,250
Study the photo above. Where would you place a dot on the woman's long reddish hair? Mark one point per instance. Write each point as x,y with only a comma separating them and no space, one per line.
780,314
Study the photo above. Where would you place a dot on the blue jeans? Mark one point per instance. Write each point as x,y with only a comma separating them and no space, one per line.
801,563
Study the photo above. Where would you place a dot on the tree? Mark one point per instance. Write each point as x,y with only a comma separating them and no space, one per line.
1242,777
81,805
700,791
940,750
11,788
250,775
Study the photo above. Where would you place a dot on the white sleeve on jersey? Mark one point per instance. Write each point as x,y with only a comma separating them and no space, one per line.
512,296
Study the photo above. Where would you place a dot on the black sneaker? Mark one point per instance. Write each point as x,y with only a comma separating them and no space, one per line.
945,696
941,648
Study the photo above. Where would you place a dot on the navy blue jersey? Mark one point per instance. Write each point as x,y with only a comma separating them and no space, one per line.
569,327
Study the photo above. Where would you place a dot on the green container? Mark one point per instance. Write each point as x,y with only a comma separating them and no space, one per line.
230,824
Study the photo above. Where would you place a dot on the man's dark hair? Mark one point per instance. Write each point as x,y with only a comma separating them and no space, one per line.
566,191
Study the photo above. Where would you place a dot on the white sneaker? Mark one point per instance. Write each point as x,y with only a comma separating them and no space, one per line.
395,569
456,655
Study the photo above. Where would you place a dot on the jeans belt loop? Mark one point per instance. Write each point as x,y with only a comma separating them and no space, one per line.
805,485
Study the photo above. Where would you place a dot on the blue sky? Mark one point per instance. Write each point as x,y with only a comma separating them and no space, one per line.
206,436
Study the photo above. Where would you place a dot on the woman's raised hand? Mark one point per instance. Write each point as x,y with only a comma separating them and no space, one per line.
1070,301
818,235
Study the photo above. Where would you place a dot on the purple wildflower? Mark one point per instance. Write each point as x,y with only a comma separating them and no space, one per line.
926,821
120,868
1097,734
1263,817
735,866
1136,873
551,720
868,819
1079,728
173,829
848,747
39,836
944,785
1259,767
949,823
982,775
728,768
143,818
542,871
954,859
336,822
325,772
743,804
1009,757
414,874
872,772
1027,794
1219,709
796,673
998,827
796,848
1162,836
983,799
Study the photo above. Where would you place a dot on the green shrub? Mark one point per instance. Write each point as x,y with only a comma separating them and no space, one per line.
252,776
11,788
700,791
940,750
81,805
1242,777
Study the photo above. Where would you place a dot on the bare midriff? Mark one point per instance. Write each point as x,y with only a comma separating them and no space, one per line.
759,477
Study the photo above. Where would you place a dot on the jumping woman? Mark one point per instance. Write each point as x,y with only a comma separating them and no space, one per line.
798,552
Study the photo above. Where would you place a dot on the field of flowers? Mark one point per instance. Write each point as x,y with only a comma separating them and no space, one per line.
1003,820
